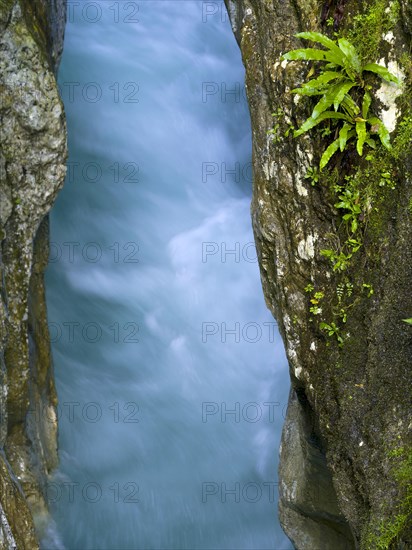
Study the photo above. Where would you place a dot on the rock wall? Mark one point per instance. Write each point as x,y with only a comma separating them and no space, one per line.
32,164
346,442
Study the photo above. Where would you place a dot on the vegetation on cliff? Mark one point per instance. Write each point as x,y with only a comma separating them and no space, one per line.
335,257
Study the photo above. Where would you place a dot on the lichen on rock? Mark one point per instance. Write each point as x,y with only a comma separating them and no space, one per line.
32,164
350,406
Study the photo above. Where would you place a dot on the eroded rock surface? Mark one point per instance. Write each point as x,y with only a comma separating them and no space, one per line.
32,163
350,408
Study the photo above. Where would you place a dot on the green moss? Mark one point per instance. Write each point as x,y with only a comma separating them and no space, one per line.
5,5
402,145
369,27
386,163
372,189
387,534
35,20
366,194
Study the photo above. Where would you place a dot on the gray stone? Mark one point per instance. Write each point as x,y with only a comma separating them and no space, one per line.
32,171
357,399
308,507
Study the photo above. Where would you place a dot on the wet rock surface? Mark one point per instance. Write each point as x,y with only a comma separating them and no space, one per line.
349,408
32,163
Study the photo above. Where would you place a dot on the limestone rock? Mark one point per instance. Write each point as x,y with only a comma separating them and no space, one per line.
32,170
356,400
16,525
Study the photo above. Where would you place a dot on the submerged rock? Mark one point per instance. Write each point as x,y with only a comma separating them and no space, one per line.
345,456
32,162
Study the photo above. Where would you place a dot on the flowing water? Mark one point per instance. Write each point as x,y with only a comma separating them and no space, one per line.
170,371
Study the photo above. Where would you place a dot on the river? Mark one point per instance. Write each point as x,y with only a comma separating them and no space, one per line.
171,375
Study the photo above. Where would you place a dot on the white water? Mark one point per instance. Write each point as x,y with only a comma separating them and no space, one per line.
145,426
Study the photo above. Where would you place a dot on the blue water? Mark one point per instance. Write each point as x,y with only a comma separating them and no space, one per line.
171,375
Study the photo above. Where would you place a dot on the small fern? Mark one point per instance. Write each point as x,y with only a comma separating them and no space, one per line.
342,74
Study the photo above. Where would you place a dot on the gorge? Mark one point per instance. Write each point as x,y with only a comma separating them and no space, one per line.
345,451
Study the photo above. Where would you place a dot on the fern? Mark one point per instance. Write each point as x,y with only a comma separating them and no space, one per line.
342,75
